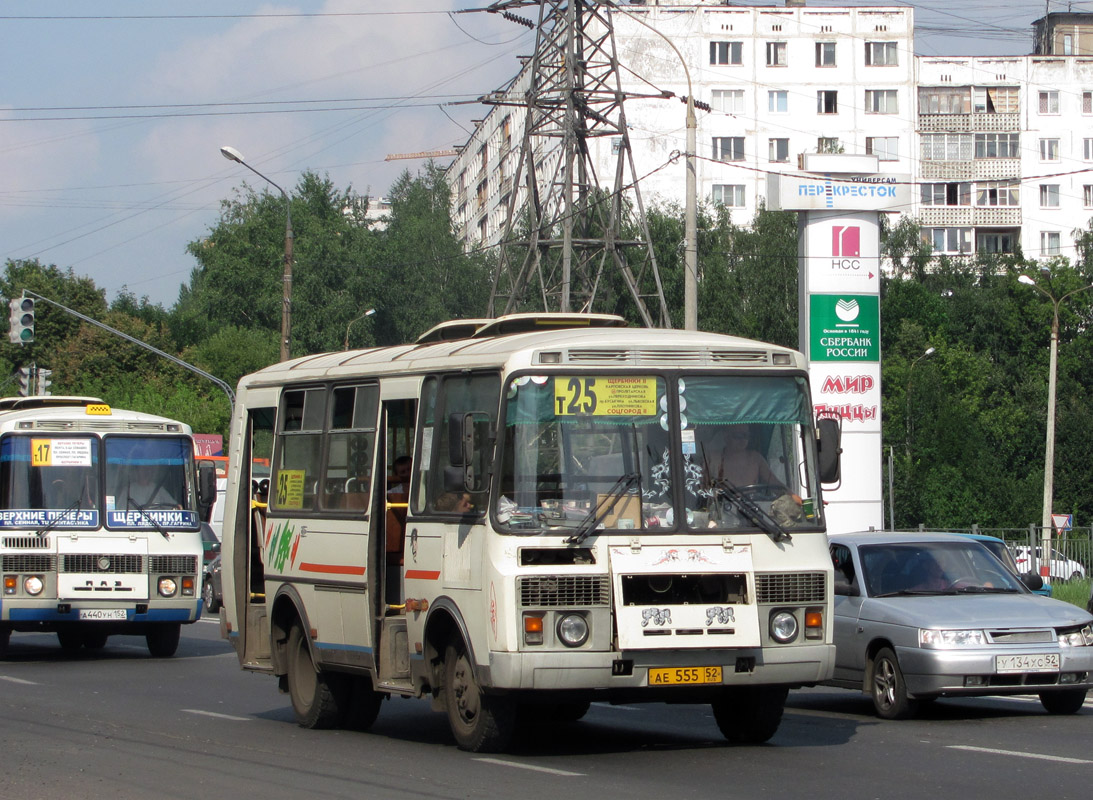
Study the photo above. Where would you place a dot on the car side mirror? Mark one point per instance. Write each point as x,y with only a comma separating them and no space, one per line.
844,588
1032,581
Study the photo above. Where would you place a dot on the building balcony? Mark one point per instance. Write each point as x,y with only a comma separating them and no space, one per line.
976,123
1001,216
968,216
980,169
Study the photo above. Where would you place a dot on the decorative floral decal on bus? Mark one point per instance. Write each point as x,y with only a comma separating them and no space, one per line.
282,546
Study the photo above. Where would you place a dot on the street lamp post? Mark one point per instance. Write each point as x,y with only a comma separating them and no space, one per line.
367,313
910,374
1049,444
232,154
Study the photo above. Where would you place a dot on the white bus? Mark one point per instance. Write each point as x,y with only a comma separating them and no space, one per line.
572,529
99,519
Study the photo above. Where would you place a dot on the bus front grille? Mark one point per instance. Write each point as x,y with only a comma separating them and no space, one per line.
790,587
553,591
108,563
27,542
173,565
29,562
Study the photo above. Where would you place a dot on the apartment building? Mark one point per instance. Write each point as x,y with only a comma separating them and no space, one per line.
1001,147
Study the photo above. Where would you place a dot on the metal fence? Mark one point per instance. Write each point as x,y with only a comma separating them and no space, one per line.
1072,551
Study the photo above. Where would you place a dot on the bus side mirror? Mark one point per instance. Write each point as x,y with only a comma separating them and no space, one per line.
468,435
206,488
829,448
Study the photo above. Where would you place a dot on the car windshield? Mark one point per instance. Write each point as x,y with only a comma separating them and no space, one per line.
627,452
933,568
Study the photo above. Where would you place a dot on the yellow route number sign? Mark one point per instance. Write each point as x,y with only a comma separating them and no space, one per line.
290,488
619,396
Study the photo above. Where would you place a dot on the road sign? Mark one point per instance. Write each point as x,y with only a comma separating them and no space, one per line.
1062,522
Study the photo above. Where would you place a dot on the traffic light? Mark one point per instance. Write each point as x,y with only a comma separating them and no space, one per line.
22,377
21,318
45,380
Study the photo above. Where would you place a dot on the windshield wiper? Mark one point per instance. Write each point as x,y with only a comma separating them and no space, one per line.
147,516
57,520
752,512
918,593
605,506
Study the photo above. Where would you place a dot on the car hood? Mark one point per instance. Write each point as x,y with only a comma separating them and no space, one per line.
974,611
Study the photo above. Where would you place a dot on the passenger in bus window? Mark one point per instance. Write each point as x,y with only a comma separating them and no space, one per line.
727,455
457,502
402,468
147,486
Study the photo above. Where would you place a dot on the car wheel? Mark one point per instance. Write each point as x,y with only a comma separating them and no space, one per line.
1077,576
209,596
318,698
752,715
480,723
1066,701
889,689
162,640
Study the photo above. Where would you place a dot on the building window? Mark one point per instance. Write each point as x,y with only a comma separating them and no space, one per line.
779,149
881,54
998,193
943,100
728,148
827,101
1087,196
776,54
778,102
881,101
997,242
946,147
1087,149
1049,102
726,53
1087,102
728,194
1049,195
886,148
998,145
1049,149
949,240
946,194
1068,44
1050,243
828,144
825,54
731,101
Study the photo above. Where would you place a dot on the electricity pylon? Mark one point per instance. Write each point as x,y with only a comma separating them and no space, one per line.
564,225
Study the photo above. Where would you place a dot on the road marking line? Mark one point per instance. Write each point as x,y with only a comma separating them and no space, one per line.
1039,756
214,714
18,680
532,767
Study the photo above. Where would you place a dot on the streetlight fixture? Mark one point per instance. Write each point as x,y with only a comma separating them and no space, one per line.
907,445
232,154
910,374
367,313
1049,444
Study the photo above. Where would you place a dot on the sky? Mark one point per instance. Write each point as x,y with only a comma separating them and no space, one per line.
113,112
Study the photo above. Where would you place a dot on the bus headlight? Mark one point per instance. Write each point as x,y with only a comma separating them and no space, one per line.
573,630
33,585
167,587
783,627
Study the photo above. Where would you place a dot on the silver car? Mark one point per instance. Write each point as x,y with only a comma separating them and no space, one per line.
920,616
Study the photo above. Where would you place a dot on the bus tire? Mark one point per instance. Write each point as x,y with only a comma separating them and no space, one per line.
364,703
94,640
163,639
70,639
317,697
751,715
5,637
480,723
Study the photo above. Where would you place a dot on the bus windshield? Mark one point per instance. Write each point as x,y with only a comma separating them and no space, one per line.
49,480
149,482
625,452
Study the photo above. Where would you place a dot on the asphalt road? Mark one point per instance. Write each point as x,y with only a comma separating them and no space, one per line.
119,724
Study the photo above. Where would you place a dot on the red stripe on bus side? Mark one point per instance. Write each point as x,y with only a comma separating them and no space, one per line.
332,569
422,574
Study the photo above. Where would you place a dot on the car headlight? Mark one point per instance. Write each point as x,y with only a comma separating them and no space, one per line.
783,627
573,630
951,639
1081,638
33,585
167,587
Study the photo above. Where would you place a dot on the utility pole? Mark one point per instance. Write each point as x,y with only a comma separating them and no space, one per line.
563,231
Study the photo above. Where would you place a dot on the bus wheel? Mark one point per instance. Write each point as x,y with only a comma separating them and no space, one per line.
480,723
163,639
71,639
364,703
752,715
5,637
316,696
